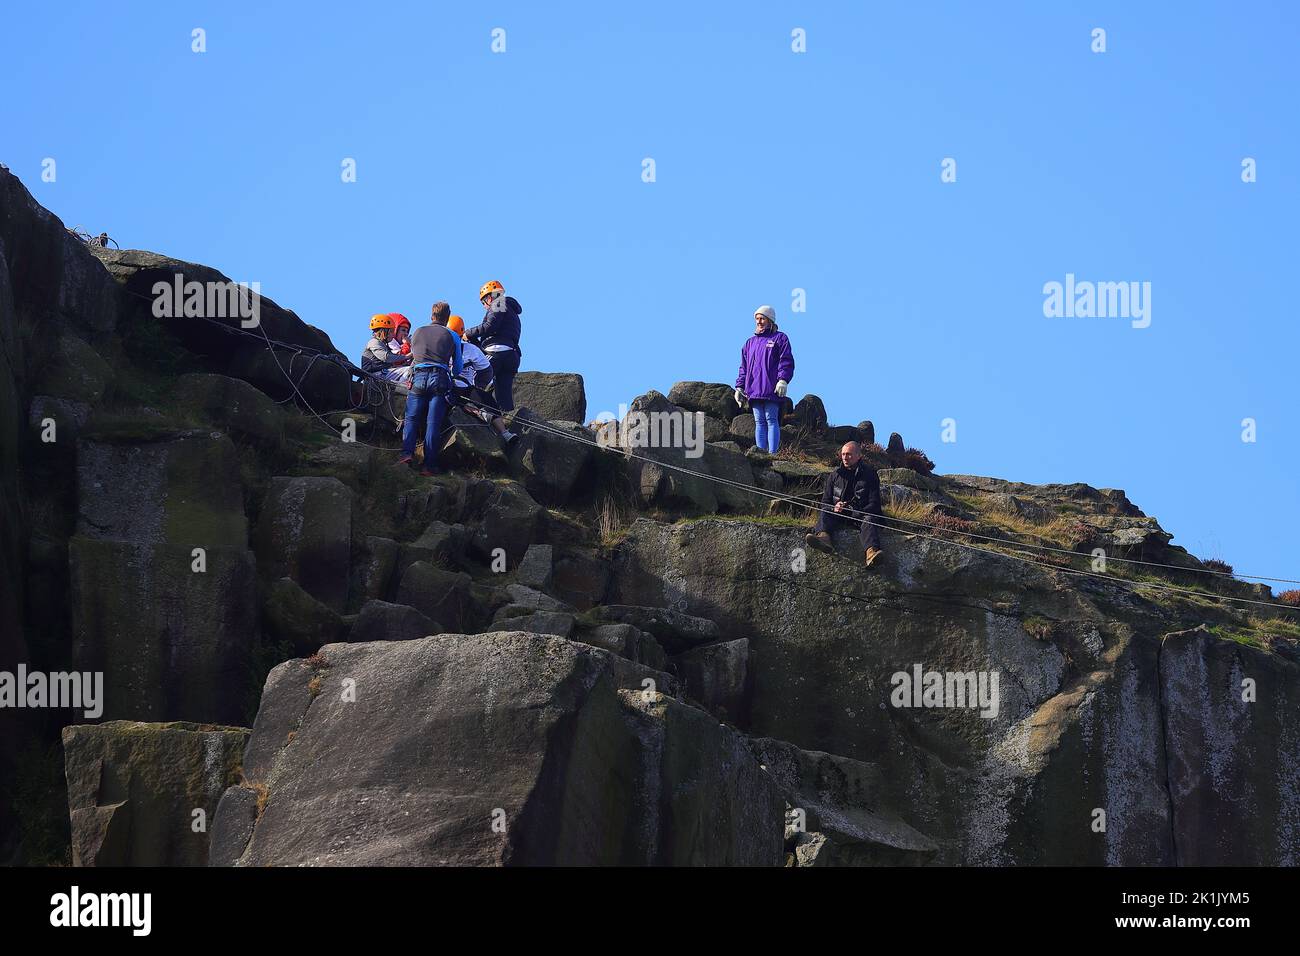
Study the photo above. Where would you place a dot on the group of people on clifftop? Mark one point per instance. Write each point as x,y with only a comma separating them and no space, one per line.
441,364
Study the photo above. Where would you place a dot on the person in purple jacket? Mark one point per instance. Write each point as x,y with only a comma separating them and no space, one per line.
766,368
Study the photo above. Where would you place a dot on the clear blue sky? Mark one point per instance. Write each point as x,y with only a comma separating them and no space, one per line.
775,171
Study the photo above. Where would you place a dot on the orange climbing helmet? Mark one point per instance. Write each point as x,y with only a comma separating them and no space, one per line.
381,321
457,325
490,288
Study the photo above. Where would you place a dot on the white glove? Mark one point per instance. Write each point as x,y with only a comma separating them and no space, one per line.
740,398
781,386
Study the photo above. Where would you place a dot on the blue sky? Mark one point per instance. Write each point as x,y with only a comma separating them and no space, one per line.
774,171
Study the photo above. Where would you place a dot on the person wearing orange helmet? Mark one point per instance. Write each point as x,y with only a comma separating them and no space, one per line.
498,336
378,358
478,367
470,389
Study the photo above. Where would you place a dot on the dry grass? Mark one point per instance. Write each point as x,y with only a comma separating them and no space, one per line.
612,520
1063,531
796,447
917,511
263,795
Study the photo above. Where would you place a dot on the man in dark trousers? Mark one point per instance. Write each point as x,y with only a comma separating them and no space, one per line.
852,494
498,336
435,360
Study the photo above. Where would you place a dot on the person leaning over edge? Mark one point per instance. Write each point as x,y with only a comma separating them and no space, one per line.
435,358
852,492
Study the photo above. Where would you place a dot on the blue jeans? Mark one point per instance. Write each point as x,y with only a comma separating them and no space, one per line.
426,406
767,423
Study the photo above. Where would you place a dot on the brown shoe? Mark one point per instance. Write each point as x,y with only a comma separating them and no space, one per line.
821,541
871,556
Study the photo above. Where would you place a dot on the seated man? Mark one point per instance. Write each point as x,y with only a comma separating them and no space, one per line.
852,494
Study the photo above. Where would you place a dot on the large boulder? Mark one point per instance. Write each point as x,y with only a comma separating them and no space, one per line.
625,641
161,583
828,641
246,412
537,567
725,461
665,468
382,621
471,444
295,617
376,567
673,629
551,466
843,801
810,413
305,533
182,487
555,396
172,643
146,794
742,429
717,675
71,369
1219,699
302,362
580,577
438,594
54,275
1090,711
440,543
715,400
510,521
511,618
576,760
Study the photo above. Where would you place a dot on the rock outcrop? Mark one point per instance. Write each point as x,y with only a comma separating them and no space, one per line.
555,396
500,748
578,649
145,794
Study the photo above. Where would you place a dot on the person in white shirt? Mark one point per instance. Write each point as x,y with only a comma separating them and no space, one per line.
470,388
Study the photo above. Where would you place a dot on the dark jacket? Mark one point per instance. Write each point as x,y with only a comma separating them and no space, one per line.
859,487
500,326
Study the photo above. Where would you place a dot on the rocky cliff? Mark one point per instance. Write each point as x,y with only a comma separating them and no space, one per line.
586,649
